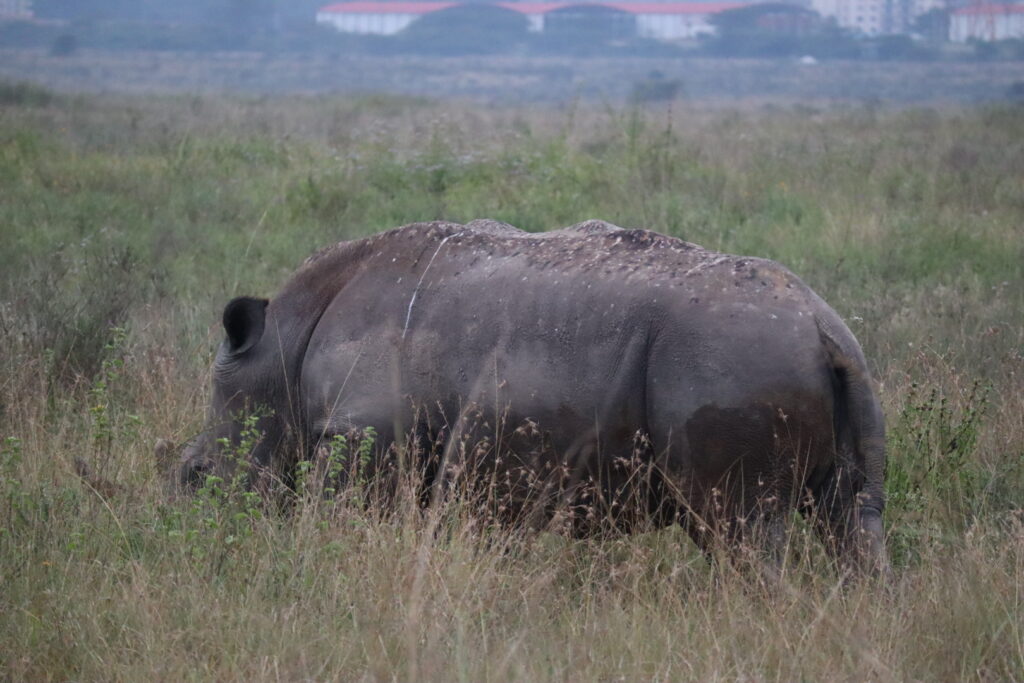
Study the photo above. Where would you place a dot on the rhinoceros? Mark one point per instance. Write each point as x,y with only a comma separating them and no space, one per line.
592,374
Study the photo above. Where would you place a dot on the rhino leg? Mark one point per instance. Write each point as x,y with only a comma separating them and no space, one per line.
754,549
848,525
751,536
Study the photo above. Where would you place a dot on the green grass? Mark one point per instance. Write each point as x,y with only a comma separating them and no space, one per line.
126,223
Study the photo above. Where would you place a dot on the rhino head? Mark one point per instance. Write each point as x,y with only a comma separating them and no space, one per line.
245,423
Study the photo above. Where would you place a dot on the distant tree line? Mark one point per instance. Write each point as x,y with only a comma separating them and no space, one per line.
778,30
245,12
185,24
767,30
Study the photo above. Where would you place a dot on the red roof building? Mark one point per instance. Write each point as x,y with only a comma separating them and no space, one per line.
659,20
987,22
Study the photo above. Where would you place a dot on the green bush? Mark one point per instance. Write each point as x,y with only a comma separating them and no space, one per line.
64,45
464,29
23,94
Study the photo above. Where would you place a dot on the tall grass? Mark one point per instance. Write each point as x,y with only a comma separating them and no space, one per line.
127,223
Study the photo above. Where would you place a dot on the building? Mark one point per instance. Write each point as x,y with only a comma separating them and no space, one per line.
675,20
874,17
986,22
380,18
15,9
657,20
860,16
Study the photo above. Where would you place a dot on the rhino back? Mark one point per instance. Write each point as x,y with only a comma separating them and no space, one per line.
587,326
448,316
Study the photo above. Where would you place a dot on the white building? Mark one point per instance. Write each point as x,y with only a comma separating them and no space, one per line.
874,17
658,20
15,9
861,16
987,22
674,20
381,18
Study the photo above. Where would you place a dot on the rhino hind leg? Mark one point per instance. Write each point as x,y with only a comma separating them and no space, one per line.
851,531
754,546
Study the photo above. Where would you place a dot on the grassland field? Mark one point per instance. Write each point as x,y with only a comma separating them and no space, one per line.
127,221
517,79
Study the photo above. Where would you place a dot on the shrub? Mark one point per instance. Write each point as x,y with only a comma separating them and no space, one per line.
656,88
64,45
464,29
24,94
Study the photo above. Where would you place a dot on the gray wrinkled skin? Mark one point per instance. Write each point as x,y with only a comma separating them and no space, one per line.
594,373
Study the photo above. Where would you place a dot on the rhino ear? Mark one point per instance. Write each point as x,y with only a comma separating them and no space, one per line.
243,322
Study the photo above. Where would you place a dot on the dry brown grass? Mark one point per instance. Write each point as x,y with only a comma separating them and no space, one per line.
212,197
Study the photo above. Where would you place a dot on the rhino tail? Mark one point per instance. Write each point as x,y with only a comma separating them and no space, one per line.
859,428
